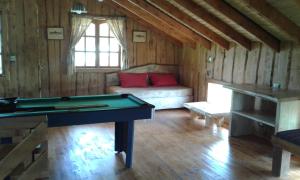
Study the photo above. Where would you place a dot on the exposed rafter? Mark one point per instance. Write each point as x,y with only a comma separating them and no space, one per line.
152,20
267,11
141,5
175,40
191,23
209,18
245,23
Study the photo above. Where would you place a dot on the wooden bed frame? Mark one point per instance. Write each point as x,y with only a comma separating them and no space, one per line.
112,79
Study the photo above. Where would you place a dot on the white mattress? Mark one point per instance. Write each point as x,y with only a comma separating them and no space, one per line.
154,92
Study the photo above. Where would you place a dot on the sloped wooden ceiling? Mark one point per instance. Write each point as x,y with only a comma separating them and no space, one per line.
220,21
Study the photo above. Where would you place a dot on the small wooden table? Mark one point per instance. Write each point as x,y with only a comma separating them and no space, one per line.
208,110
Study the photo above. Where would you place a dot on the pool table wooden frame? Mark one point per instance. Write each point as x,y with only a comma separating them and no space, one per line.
123,117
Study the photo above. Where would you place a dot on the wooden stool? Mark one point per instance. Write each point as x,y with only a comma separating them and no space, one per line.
285,143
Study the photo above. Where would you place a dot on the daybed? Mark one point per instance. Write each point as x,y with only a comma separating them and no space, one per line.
167,97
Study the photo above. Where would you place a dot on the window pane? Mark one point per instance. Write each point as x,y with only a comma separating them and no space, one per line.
114,59
103,28
114,45
111,34
90,30
90,44
80,45
103,44
90,59
103,59
79,58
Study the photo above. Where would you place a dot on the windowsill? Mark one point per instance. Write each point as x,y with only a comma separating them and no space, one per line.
104,70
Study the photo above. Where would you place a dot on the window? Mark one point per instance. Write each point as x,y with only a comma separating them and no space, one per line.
1,63
98,48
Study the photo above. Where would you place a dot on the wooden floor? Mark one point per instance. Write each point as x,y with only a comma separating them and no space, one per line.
170,147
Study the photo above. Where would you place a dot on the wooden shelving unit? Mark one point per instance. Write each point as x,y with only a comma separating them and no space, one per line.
278,109
258,116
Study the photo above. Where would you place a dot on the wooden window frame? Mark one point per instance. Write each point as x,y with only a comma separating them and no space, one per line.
98,50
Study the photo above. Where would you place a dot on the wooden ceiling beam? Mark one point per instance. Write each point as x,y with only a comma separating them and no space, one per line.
151,20
176,40
212,20
264,9
188,21
141,5
245,23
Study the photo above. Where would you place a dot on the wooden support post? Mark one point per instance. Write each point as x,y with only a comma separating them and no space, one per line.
281,161
240,126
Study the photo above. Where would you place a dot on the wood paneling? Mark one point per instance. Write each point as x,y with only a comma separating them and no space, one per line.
261,66
41,64
193,70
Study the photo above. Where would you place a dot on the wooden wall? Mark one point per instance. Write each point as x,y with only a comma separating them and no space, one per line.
193,70
41,64
261,66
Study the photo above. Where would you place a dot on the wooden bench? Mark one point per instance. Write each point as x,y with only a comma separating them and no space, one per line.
284,143
217,106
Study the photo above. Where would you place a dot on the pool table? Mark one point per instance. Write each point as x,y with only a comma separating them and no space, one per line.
122,109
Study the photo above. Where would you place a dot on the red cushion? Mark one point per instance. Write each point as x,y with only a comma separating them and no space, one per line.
133,79
163,79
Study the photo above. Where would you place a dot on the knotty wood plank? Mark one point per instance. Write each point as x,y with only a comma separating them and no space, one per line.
141,48
93,84
252,64
19,48
43,54
228,64
4,80
152,47
210,65
11,80
265,66
239,65
129,29
67,81
32,87
53,49
294,79
281,65
218,67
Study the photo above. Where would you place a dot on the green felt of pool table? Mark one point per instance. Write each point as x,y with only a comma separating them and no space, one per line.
112,101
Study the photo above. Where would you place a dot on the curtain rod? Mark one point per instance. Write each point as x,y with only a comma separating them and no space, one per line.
94,16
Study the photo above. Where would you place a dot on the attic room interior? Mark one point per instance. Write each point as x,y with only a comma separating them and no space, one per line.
149,89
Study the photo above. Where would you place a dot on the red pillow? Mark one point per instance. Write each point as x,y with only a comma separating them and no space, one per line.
163,79
133,79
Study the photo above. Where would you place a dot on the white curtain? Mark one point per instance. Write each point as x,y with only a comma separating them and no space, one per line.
78,28
117,26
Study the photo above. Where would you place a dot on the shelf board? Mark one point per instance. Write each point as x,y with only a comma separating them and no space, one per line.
258,116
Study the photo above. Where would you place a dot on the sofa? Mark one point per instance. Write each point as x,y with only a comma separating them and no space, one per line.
165,97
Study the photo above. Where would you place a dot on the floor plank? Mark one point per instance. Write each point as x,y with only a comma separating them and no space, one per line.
170,147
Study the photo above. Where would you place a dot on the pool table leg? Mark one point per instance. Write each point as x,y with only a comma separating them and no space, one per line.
124,133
